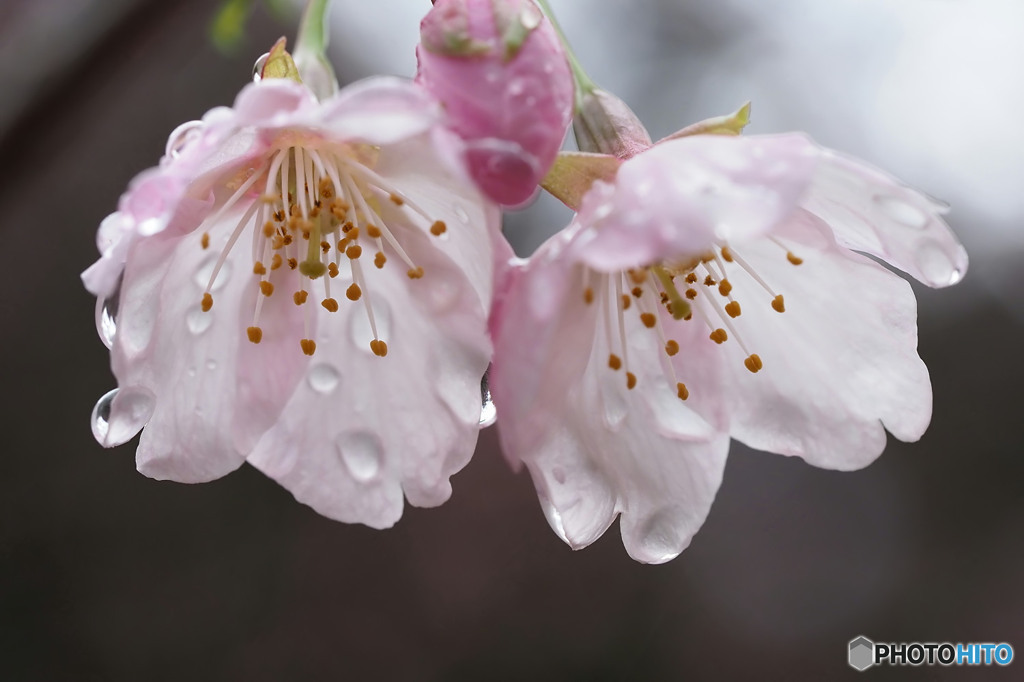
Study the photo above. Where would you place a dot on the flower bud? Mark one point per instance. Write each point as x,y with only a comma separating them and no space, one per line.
605,124
502,75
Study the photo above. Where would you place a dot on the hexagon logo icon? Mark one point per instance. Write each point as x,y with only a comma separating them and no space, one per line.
862,653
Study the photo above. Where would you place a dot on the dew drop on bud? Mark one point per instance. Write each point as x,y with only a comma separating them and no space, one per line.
488,413
257,68
101,417
180,137
106,317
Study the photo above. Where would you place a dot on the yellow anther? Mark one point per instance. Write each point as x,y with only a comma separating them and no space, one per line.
268,229
649,320
438,228
793,258
379,348
379,260
279,216
614,361
588,295
726,254
204,241
691,294
691,278
353,234
396,200
258,268
682,391
671,347
719,336
347,227
753,363
415,273
325,246
300,297
733,308
207,302
308,346
255,334
626,301
709,281
373,232
353,292
267,288
638,292
276,261
779,304
292,263
354,251
725,287
630,380
330,304
332,269
326,188
638,276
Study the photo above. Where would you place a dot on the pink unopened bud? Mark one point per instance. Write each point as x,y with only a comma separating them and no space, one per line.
502,75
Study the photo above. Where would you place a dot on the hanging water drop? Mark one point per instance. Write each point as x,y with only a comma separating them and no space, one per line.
257,68
106,318
101,416
362,454
180,137
488,412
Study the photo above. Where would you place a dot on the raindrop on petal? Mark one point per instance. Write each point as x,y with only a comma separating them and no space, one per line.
362,454
197,320
106,318
901,211
323,378
180,137
116,424
488,412
257,68
202,276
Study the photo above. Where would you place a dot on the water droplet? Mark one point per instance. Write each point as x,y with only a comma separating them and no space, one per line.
460,213
937,268
202,277
323,378
362,454
211,365
359,325
112,427
488,412
180,137
257,68
106,317
191,371
612,387
901,211
660,540
197,320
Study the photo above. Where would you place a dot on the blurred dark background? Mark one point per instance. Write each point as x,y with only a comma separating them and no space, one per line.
107,575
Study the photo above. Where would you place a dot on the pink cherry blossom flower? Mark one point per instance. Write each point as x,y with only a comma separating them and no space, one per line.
501,72
305,285
713,286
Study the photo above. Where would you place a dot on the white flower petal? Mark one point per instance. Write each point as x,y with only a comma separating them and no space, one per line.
872,212
839,363
362,429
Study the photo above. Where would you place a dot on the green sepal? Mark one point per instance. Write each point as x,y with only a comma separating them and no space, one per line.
449,36
280,64
573,173
732,124
515,25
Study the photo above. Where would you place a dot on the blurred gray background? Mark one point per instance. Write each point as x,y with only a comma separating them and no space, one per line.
106,575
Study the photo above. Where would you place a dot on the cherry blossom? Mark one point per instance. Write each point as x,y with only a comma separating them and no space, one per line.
711,286
303,285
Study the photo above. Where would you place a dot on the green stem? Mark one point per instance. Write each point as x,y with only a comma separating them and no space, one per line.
584,84
312,38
